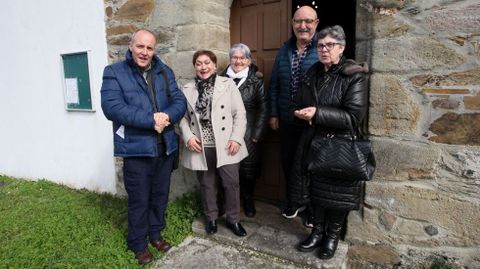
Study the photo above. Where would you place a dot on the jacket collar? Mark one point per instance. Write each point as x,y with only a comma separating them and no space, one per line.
156,64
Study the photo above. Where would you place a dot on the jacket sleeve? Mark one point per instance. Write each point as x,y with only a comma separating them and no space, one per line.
302,99
185,130
262,111
239,114
273,87
352,110
177,103
116,108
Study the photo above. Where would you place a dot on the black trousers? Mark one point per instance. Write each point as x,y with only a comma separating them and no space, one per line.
147,182
289,138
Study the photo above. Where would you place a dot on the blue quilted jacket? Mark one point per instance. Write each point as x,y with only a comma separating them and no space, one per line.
127,103
279,91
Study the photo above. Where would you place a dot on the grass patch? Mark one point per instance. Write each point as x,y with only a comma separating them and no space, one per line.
45,225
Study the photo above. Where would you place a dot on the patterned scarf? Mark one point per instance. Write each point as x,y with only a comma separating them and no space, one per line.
205,94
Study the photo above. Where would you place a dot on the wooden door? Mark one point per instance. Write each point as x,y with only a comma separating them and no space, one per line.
264,25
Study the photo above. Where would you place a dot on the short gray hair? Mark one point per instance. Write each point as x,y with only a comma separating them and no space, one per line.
335,31
243,48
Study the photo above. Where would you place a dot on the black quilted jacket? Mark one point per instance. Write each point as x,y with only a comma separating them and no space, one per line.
255,101
341,98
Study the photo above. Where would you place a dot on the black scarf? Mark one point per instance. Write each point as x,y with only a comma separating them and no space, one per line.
205,94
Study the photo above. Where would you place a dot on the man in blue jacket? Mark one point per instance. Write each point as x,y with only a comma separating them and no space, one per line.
295,57
142,99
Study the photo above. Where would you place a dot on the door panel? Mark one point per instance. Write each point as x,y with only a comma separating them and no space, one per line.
264,25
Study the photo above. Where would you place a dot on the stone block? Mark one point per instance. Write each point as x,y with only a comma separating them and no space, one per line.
121,29
462,78
135,10
390,3
181,63
166,37
182,181
109,11
185,12
376,255
457,216
445,104
379,26
472,102
403,160
393,110
457,129
119,40
445,91
412,53
454,21
194,37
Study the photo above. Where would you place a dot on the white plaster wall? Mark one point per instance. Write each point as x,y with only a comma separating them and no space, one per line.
38,137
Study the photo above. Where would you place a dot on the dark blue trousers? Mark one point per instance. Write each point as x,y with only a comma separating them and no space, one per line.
289,138
147,182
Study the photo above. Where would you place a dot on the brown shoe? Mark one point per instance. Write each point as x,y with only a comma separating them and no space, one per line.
161,245
144,257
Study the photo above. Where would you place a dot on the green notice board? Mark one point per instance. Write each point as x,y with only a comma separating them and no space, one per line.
77,81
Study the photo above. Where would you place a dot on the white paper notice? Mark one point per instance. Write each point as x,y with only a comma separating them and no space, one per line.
71,88
121,131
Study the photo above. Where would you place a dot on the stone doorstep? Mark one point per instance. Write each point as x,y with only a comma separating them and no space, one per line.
269,233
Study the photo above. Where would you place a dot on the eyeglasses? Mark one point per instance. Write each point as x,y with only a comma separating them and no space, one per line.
328,46
306,21
240,59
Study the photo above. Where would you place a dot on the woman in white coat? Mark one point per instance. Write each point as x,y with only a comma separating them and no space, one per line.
213,129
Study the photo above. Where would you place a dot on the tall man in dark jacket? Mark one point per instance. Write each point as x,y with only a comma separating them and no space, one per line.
293,60
141,98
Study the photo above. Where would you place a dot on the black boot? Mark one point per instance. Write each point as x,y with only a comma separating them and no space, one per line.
333,229
313,241
249,206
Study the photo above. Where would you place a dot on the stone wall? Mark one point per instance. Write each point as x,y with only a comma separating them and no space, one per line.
424,203
424,55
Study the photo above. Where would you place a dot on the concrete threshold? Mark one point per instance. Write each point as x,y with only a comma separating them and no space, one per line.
270,243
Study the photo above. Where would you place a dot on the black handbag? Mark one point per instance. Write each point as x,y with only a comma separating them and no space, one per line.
341,157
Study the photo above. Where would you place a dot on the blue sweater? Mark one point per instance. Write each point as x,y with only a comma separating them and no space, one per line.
279,91
126,102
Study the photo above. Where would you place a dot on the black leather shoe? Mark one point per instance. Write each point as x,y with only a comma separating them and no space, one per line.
312,242
249,207
211,227
237,228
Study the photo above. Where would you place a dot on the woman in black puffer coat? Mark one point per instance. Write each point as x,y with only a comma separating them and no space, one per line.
333,97
250,84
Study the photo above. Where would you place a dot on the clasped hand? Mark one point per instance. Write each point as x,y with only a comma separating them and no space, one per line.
194,144
162,120
306,113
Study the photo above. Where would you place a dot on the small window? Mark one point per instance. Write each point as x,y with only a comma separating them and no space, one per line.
76,82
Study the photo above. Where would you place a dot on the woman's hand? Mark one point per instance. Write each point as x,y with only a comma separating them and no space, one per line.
194,144
306,113
232,147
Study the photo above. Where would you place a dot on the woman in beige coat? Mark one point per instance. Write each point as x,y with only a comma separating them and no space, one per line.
213,129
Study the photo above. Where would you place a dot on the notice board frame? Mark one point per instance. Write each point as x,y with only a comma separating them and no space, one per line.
76,81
